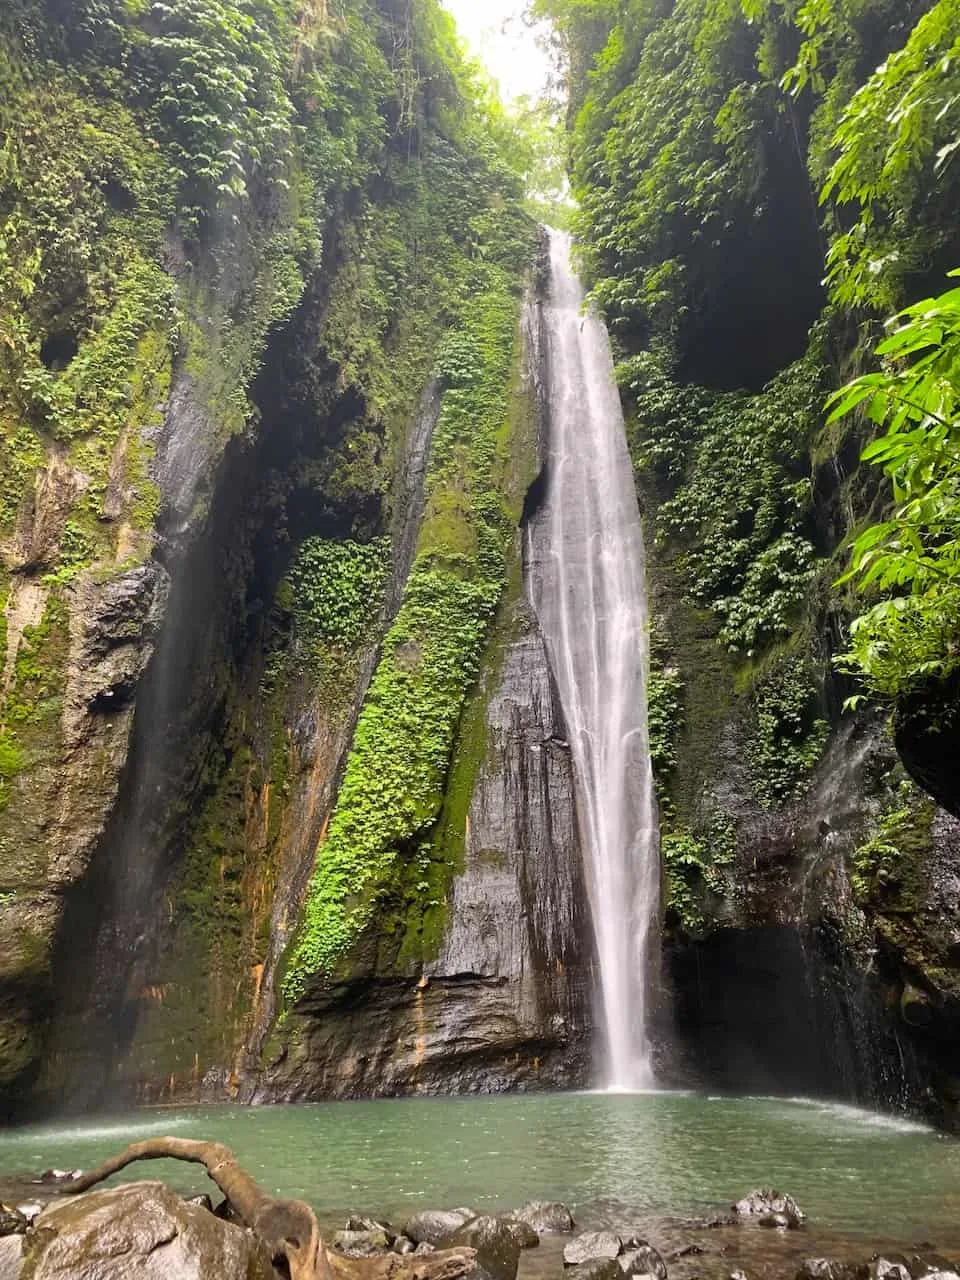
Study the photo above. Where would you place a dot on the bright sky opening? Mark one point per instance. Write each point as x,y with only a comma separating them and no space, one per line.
497,36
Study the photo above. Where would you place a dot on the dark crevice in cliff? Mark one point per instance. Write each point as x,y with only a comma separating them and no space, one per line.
784,1010
927,734
267,496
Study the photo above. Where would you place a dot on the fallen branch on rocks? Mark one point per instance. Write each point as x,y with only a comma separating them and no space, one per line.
288,1228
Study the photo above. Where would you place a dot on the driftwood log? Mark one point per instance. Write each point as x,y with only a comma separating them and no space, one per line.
288,1228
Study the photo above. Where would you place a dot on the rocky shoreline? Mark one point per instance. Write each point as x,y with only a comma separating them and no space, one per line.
144,1229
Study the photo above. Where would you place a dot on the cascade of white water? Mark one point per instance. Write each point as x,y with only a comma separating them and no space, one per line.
590,598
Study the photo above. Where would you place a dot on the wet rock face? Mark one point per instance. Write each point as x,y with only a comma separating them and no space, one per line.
141,1229
641,1259
497,1246
545,1216
591,1245
927,733
433,1225
770,1209
505,1003
597,1269
360,1244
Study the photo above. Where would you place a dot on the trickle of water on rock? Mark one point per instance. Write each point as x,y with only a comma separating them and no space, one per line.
591,601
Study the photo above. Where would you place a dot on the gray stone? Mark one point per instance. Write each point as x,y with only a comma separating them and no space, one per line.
433,1225
422,1248
522,1232
781,1221
545,1216
12,1221
642,1260
497,1245
357,1222
11,1257
888,1268
826,1269
591,1245
360,1244
770,1208
141,1230
201,1202
403,1245
596,1269
506,1001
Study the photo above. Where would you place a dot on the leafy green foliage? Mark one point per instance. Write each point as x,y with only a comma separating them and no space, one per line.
213,73
894,141
735,501
886,869
789,737
912,558
337,588
696,868
11,762
394,781
664,719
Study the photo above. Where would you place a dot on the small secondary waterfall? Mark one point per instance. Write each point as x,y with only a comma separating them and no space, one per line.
590,598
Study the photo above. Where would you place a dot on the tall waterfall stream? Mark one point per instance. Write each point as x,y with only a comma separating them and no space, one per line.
591,601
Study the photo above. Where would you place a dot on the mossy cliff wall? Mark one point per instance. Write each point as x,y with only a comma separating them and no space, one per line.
262,266
812,912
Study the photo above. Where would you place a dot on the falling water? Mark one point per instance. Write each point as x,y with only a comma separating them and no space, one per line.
590,598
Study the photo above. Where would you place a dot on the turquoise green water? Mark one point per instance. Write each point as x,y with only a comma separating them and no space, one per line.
603,1154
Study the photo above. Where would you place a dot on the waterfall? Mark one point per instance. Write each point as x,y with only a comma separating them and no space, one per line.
590,598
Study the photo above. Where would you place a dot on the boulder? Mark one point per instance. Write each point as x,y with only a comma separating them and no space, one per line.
403,1245
424,1247
928,1264
545,1216
641,1259
433,1225
496,1243
141,1229
522,1232
596,1269
590,1245
360,1244
828,1269
888,1268
11,1257
770,1209
357,1222
12,1221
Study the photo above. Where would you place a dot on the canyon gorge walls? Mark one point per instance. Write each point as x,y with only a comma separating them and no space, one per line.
812,905
287,799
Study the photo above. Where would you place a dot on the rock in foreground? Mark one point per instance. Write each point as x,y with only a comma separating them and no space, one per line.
141,1230
590,1246
433,1225
498,1249
545,1216
770,1209
598,1269
641,1259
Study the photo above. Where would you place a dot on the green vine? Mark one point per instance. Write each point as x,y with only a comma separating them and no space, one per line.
393,786
789,736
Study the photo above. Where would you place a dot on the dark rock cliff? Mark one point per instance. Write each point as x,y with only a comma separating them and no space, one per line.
506,1002
505,999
